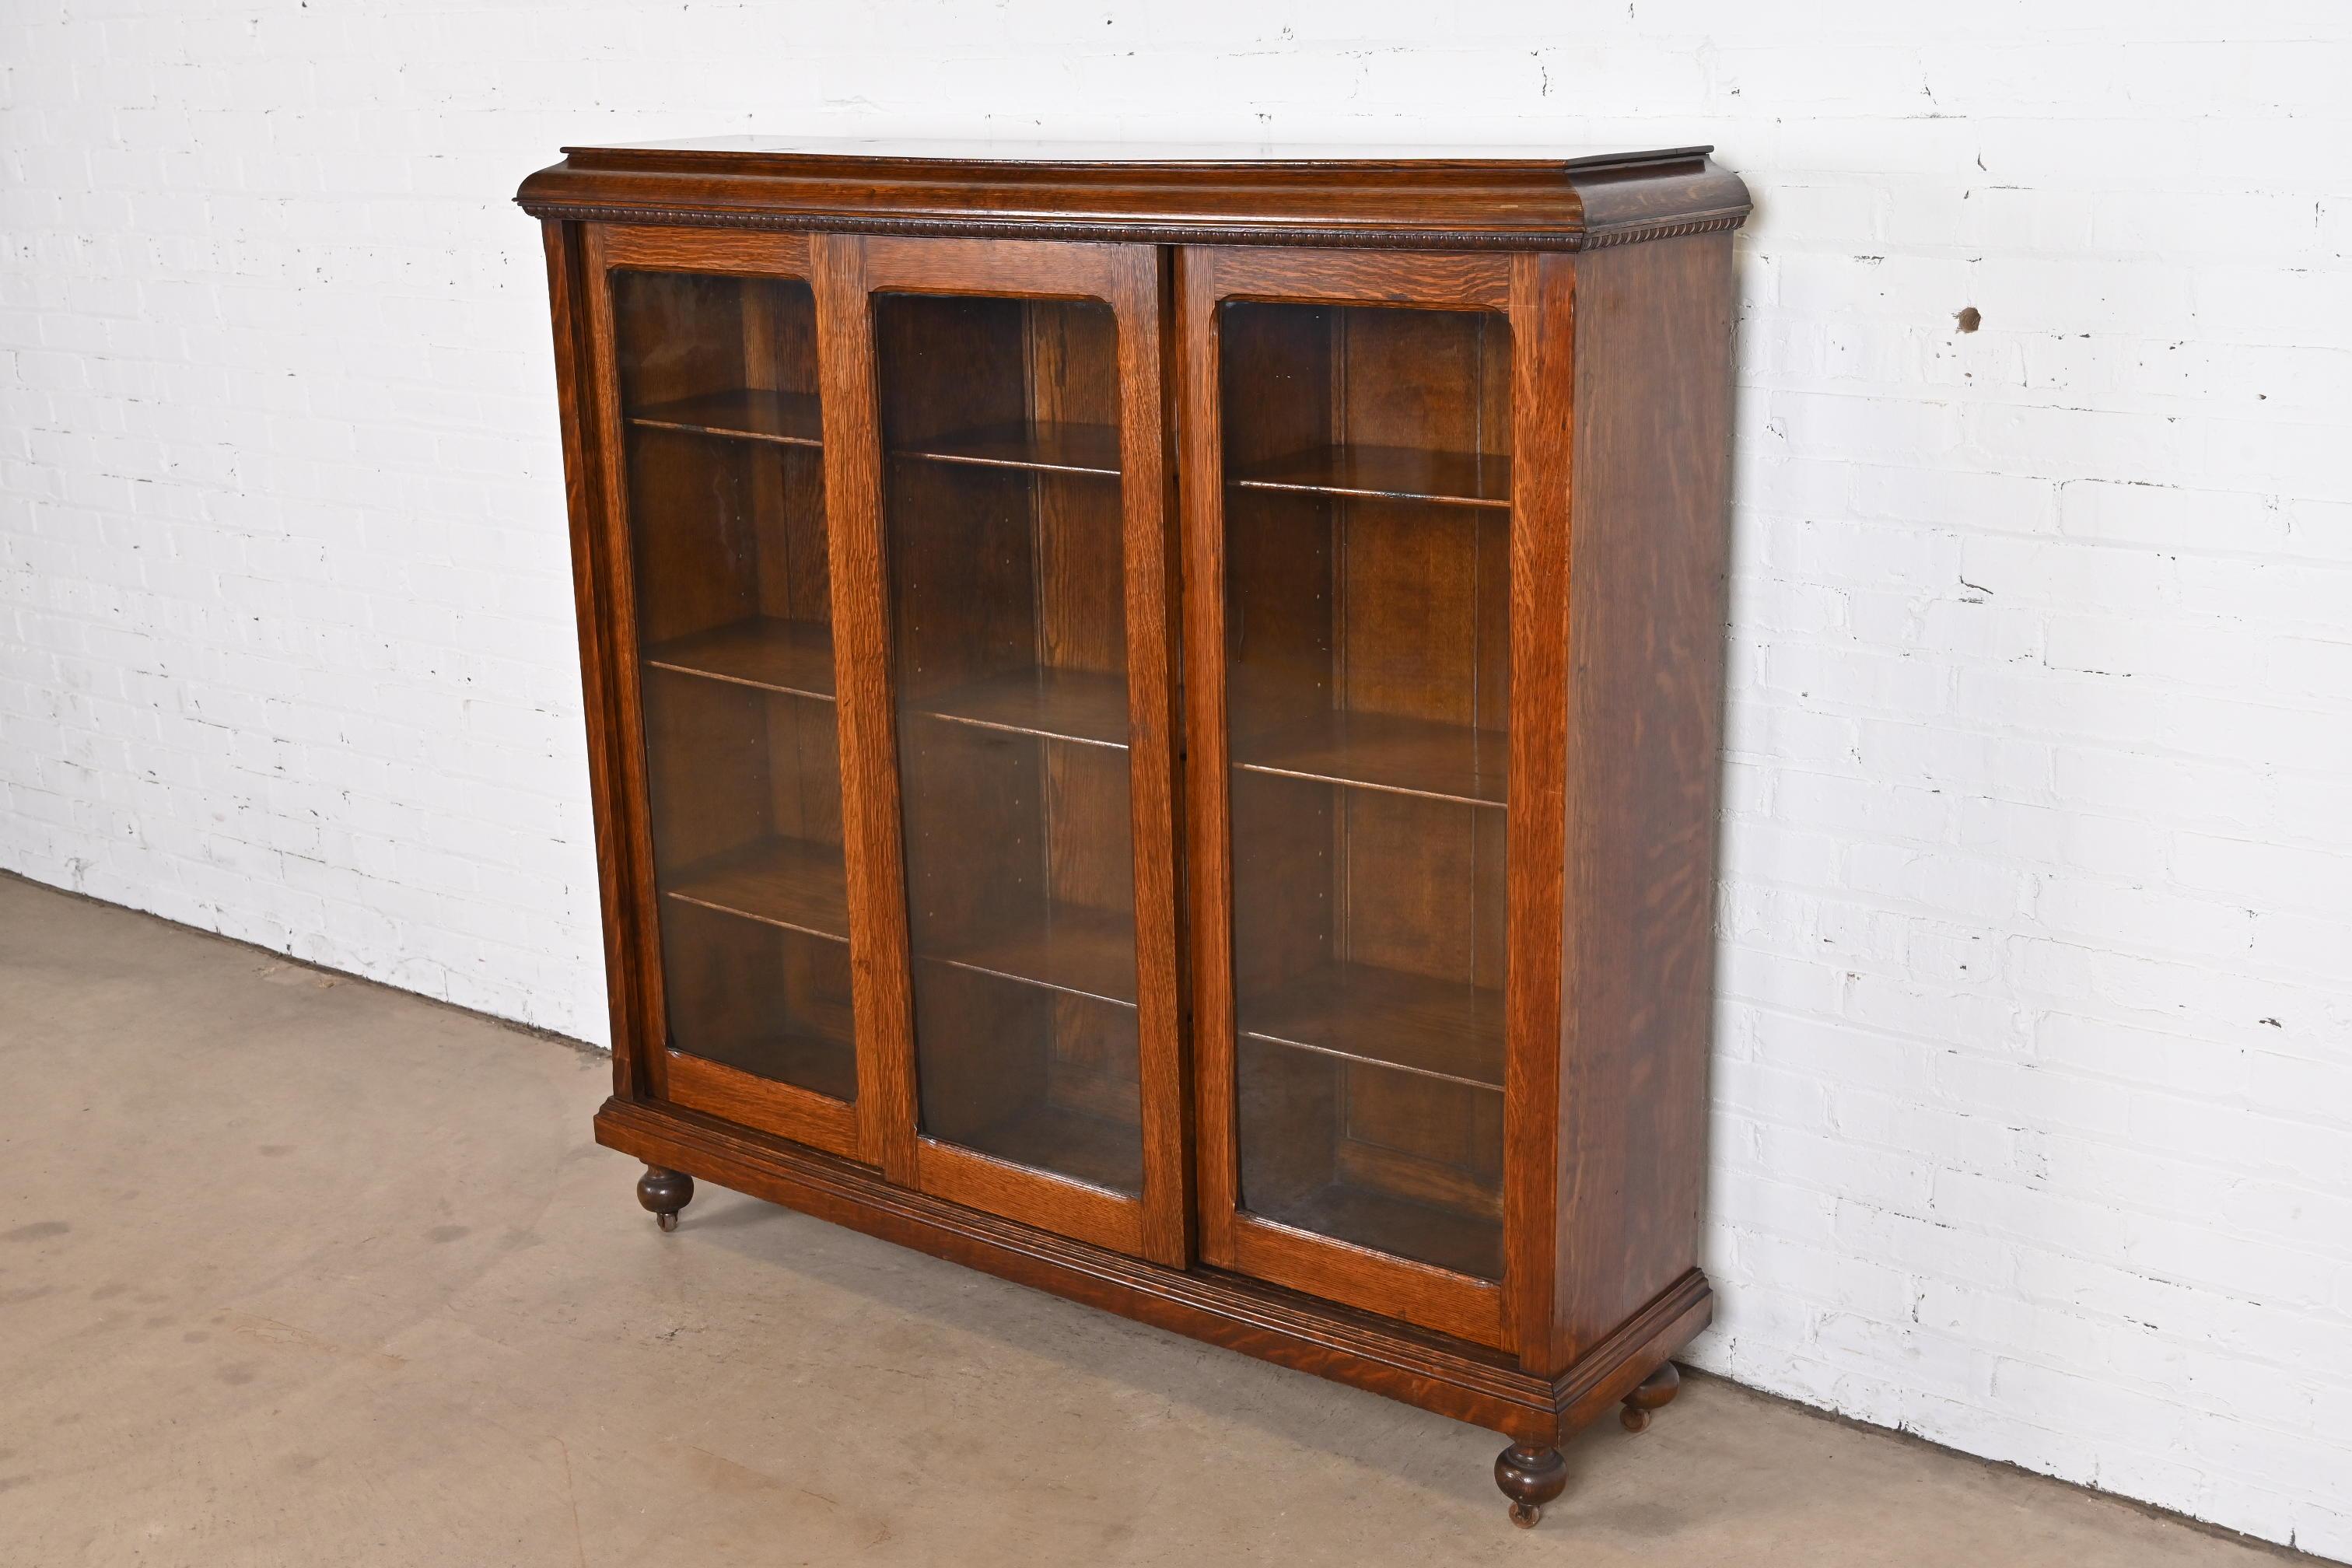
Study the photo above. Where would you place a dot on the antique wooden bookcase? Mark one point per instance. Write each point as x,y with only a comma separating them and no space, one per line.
1154,719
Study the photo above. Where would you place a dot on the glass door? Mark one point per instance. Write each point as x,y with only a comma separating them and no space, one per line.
1025,537
716,427
1352,586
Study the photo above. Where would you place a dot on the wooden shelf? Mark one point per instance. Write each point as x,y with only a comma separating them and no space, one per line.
1085,706
790,418
1376,750
1045,445
1072,948
814,1062
1090,1149
795,883
1437,1029
1387,473
792,657
1449,1238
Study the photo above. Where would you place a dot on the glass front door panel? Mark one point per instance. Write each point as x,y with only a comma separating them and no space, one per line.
726,494
1367,505
1003,525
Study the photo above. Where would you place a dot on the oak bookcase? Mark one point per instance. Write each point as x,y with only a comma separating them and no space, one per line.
1155,719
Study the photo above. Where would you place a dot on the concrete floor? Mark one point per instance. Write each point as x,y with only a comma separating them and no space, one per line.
296,1269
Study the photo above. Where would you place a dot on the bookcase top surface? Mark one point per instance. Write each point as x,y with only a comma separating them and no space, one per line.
1000,149
1487,196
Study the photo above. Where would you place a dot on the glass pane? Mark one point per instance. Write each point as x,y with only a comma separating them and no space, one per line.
1001,490
734,629
1368,627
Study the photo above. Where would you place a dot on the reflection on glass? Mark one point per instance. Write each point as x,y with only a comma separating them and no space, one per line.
1367,605
1002,495
727,524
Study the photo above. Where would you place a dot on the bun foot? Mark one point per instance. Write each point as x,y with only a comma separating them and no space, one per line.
1530,1477
1657,1390
664,1193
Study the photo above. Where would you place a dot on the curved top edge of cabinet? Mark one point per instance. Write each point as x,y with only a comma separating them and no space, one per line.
1447,199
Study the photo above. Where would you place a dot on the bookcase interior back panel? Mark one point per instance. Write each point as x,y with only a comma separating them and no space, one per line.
726,493
1003,499
1368,575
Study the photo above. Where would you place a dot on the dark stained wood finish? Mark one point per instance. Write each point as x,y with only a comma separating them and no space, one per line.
1381,751
1324,1264
1057,1203
750,1099
1461,199
1074,950
1396,473
1657,1390
1531,1476
789,419
1390,1016
663,1194
1435,860
1208,864
1085,951
1062,704
794,657
791,883
875,865
1351,278
1543,310
1052,447
1646,613
587,482
646,1030
655,248
744,836
1398,1218
1450,1376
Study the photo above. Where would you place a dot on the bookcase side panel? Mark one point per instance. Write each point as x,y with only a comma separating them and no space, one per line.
1649,530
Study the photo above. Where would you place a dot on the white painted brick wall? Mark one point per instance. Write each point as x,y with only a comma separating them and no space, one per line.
2034,1099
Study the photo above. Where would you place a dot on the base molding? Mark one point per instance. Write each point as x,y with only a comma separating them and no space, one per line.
1450,1378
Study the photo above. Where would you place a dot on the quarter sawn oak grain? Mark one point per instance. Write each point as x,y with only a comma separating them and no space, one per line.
1154,718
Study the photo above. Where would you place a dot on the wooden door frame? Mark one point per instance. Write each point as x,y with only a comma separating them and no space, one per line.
1130,279
1531,291
642,1032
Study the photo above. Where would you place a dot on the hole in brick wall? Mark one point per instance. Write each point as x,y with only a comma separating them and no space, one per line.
1968,318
